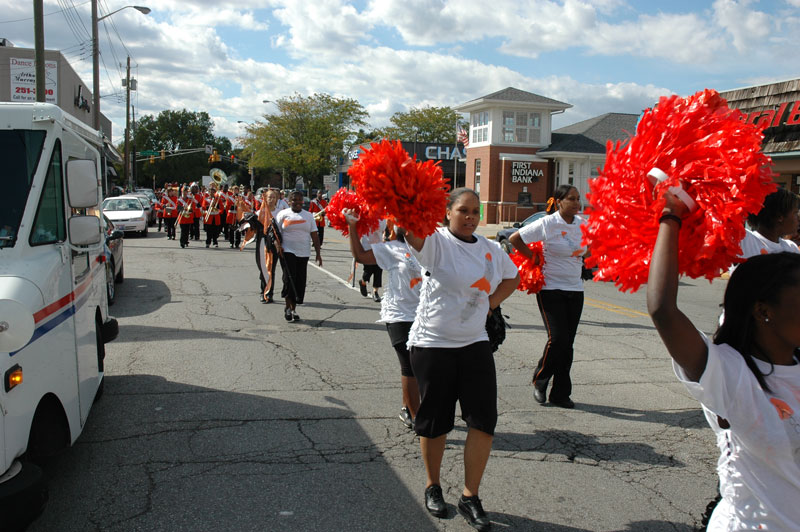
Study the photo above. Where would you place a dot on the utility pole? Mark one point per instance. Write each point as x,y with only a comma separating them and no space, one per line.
38,32
134,171
95,70
127,170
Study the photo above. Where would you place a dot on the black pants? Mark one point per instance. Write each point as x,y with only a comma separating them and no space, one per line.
295,268
234,236
369,271
561,313
169,223
196,228
320,233
160,221
185,230
212,233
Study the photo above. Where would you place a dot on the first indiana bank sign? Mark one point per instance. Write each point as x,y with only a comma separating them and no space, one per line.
775,117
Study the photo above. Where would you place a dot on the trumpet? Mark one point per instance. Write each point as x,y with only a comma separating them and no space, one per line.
319,215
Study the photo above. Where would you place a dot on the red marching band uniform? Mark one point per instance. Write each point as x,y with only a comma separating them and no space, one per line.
212,223
169,209
186,206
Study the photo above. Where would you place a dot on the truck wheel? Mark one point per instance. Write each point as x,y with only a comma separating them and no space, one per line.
110,288
22,497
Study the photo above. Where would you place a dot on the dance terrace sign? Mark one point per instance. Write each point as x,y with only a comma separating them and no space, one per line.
524,172
775,117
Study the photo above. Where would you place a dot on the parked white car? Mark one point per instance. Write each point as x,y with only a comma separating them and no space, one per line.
127,213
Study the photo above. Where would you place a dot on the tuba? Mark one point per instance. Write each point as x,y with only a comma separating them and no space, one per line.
218,176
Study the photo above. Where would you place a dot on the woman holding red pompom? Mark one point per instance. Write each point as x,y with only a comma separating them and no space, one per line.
561,299
465,276
399,303
748,375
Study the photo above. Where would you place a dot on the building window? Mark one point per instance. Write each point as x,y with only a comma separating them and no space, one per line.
480,127
478,176
571,174
522,127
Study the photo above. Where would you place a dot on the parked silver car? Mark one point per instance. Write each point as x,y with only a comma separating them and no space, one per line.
127,213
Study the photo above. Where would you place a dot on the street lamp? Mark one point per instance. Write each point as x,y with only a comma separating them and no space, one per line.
96,57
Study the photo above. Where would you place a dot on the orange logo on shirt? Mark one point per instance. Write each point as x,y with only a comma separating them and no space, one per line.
483,284
784,410
287,223
415,281
563,233
764,252
577,253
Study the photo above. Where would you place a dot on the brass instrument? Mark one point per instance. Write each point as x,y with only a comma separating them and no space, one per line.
319,215
218,176
212,206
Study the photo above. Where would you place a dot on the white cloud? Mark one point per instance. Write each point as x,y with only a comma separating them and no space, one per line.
747,27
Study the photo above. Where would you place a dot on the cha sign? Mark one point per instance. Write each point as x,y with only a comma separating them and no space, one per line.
523,172
23,80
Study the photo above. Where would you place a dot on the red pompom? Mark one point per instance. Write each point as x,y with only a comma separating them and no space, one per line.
713,154
346,199
531,278
399,187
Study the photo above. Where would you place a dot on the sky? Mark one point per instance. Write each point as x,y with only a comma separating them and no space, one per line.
600,56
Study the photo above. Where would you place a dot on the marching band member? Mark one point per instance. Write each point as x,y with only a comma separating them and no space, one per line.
169,204
186,206
317,208
223,211
198,211
212,223
299,231
232,202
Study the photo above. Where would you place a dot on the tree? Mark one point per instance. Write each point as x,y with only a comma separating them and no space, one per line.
426,124
306,135
173,132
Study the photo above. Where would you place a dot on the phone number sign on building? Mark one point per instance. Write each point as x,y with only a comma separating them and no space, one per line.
23,80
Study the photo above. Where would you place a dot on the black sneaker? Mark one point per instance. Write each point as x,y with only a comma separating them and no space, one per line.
287,314
470,508
375,297
295,317
405,417
362,287
434,502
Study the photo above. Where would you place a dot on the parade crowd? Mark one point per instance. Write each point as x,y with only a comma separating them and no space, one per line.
443,290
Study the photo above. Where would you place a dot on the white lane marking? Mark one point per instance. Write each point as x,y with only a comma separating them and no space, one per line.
344,282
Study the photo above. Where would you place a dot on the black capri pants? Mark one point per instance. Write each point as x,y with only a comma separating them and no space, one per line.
398,335
294,276
449,374
373,270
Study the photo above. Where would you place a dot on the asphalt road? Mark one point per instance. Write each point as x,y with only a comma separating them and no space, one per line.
219,415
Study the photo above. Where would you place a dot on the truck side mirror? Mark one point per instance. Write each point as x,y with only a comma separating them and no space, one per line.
82,183
84,230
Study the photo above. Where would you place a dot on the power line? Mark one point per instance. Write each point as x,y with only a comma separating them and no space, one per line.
46,14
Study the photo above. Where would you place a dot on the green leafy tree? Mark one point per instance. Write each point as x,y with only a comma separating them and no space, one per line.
426,124
305,136
177,133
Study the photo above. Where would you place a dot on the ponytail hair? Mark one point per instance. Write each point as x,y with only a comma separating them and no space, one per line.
560,193
761,279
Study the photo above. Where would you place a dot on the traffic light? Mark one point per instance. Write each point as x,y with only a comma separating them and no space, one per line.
152,159
214,157
233,159
163,155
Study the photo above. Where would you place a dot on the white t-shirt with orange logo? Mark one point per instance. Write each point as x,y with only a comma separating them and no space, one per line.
296,229
457,279
401,293
759,463
563,252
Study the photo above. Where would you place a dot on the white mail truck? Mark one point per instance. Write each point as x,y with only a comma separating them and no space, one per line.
54,319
